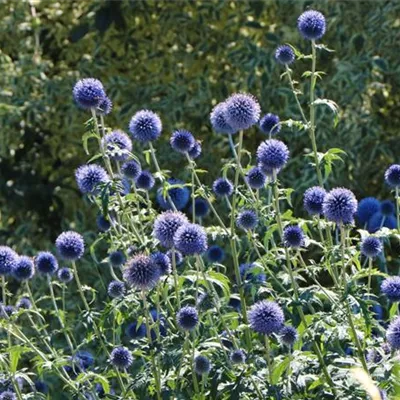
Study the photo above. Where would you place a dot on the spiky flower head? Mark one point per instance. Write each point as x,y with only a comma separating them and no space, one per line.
187,318
89,177
163,262
293,236
121,358
367,208
311,25
104,107
238,356
70,245
247,219
195,151
222,187
392,175
24,303
118,145
313,200
178,256
116,289
166,225
256,178
201,207
145,126
387,208
46,263
340,205
266,317
393,334
288,335
8,260
65,275
371,246
391,288
133,331
284,55
269,124
242,111
191,239
8,395
218,120
141,272
182,141
131,169
272,154
103,223
378,220
215,254
117,258
202,365
88,93
24,269
178,195
145,180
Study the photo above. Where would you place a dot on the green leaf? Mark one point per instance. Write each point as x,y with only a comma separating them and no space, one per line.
85,139
279,369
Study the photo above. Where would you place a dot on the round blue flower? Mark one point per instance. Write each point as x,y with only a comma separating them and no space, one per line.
340,205
24,303
178,195
393,334
266,317
367,208
242,111
41,387
392,175
288,335
89,177
378,220
117,258
246,273
166,225
311,25
23,269
202,365
145,126
8,395
371,246
222,187
46,263
118,145
269,124
284,55
178,257
116,289
131,169
387,208
191,239
83,359
272,154
121,358
313,199
133,331
70,245
187,318
65,275
6,311
141,272
145,180
238,356
163,262
218,120
215,254
247,219
102,223
182,141
88,93
195,151
391,288
201,207
8,260
104,107
293,236
256,178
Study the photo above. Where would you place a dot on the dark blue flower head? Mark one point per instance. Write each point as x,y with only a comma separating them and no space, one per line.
218,120
65,275
105,106
116,289
202,365
191,239
131,169
145,126
41,387
121,358
284,55
215,254
8,260
163,262
83,359
288,335
247,273
141,272
393,334
391,288
266,317
89,177
23,269
222,187
133,331
311,25
392,175
102,223
6,311
70,245
8,395
269,124
145,180
242,111
256,178
46,263
201,207
187,318
178,257
340,205
238,356
182,141
24,303
88,93
117,258
195,151
313,199
247,219
272,154
367,208
166,225
378,220
118,145
293,236
371,246
179,195
387,208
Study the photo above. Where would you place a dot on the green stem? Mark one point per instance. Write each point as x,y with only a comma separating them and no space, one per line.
397,209
176,279
268,357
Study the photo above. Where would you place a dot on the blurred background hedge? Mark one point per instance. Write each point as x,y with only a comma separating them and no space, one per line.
179,58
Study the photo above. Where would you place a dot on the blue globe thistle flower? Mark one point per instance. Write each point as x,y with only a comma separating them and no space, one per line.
313,199
23,269
8,260
266,317
391,288
121,358
163,262
288,335
145,181
267,171
24,303
371,246
247,273
145,126
222,187
187,318
393,334
392,175
70,245
202,365
6,311
118,145
182,141
191,239
247,219
46,263
88,93
8,395
340,205
141,272
293,236
117,258
133,331
367,208
65,275
201,207
178,195
89,177
238,356
195,151
178,257
162,321
387,208
269,124
104,107
311,25
166,225
131,169
41,387
218,120
256,178
102,223
378,220
272,154
84,359
284,55
116,289
215,254
242,111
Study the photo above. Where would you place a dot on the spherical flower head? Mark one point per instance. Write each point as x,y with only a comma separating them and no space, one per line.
272,154
65,275
391,288
284,55
371,246
288,335
83,359
141,272
178,195
163,262
89,177
247,219
102,223
219,122
378,220
313,200
222,187
293,236
133,331
191,239
238,356
6,311
8,260
182,141
392,176
202,365
145,126
266,317
178,257
246,273
387,208
340,205
104,107
242,111
311,25
46,263
116,289
269,124
118,145
166,225
201,207
24,303
88,93
23,269
367,208
8,395
121,358
195,151
256,178
70,245
131,169
145,180
117,258
215,254
393,334
187,318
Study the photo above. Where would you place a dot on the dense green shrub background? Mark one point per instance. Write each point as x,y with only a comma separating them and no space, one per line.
180,58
